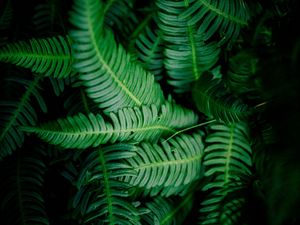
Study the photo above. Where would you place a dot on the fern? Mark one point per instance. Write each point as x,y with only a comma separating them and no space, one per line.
100,196
50,56
225,18
47,17
15,113
149,51
168,211
173,163
135,124
240,76
227,161
186,54
213,99
21,189
105,68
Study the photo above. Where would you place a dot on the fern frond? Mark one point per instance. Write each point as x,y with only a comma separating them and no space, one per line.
128,124
224,18
239,77
47,17
119,13
187,56
167,211
112,80
213,99
228,153
21,189
101,197
149,51
15,113
173,163
231,212
228,160
49,56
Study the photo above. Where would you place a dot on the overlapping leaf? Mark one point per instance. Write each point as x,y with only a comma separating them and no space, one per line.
112,80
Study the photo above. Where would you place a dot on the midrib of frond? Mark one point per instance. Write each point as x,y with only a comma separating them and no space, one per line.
222,14
196,71
141,26
170,216
228,156
104,63
140,129
21,104
169,163
107,188
27,55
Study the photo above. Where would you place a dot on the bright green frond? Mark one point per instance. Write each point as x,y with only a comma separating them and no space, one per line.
100,196
213,99
128,124
173,163
112,80
186,54
225,18
15,113
227,161
50,56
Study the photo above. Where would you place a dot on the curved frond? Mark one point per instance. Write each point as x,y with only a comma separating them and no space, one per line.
15,113
224,18
128,124
49,56
21,190
149,51
174,163
228,153
112,80
101,196
167,211
213,99
228,160
186,54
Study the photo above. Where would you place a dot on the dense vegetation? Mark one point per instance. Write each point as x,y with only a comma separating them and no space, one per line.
154,112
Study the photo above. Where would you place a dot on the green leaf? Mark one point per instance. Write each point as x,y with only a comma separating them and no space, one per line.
21,188
112,80
101,196
168,211
128,124
224,18
228,162
213,99
15,113
49,56
174,163
186,54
